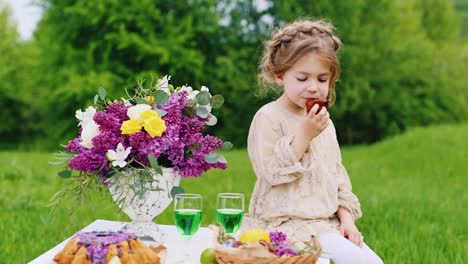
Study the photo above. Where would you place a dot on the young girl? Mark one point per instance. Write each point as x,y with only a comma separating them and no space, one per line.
302,187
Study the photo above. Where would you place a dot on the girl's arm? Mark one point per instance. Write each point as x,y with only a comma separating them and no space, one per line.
347,227
344,215
346,197
270,152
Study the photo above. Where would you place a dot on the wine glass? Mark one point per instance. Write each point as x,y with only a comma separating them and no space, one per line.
188,209
230,211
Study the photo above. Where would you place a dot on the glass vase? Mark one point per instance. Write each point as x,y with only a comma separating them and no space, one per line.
144,200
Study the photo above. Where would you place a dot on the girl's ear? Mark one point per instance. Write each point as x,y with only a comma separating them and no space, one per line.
279,79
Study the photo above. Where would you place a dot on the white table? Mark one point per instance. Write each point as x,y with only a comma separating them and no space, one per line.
203,239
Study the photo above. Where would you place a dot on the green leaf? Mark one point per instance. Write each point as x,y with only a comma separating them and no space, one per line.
222,159
102,93
56,162
65,174
217,101
160,97
176,190
153,162
227,145
141,101
171,88
159,170
212,121
161,112
202,112
96,98
212,158
203,98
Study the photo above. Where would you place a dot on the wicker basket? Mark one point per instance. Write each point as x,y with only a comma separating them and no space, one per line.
226,258
259,253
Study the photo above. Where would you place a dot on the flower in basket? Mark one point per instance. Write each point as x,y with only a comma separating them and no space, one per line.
157,127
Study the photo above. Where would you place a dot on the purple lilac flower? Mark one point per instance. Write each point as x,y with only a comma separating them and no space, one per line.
108,122
118,110
142,144
175,104
284,249
195,165
74,145
277,237
107,140
87,161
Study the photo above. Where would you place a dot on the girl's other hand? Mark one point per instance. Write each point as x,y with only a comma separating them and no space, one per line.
314,124
349,230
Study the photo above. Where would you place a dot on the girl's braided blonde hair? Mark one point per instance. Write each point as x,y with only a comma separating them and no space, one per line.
294,41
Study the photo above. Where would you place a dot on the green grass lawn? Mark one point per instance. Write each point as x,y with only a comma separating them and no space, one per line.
411,188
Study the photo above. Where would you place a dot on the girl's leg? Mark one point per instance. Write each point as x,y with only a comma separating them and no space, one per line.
342,251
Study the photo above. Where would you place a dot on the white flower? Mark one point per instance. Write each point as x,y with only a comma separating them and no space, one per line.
86,116
194,94
90,130
188,89
118,156
163,84
191,93
134,112
205,89
126,102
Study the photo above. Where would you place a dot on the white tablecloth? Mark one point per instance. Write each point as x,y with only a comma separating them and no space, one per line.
200,241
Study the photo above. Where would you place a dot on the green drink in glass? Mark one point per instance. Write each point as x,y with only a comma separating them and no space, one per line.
188,209
230,211
187,221
230,219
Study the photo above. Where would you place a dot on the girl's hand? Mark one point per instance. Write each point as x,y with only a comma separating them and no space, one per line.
311,127
314,124
350,231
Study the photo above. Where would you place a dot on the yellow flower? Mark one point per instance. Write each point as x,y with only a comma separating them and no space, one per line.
153,124
148,114
148,119
150,99
130,127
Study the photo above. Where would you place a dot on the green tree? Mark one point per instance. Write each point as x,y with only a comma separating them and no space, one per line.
240,35
89,44
16,94
103,43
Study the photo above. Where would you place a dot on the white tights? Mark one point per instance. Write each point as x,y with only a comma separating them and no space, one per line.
342,251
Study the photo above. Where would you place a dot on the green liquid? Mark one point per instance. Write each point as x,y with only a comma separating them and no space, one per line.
188,221
230,219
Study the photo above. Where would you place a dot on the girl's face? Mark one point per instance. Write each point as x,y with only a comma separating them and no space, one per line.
308,78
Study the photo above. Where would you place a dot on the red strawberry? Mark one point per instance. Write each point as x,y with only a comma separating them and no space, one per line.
322,103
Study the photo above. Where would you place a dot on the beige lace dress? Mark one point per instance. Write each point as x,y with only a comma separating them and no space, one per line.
299,197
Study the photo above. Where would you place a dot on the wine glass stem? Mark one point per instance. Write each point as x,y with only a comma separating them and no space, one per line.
187,250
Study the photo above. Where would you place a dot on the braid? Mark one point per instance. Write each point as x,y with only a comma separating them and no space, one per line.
304,28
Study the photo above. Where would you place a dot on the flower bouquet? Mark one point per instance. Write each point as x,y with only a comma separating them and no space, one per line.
156,128
256,246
